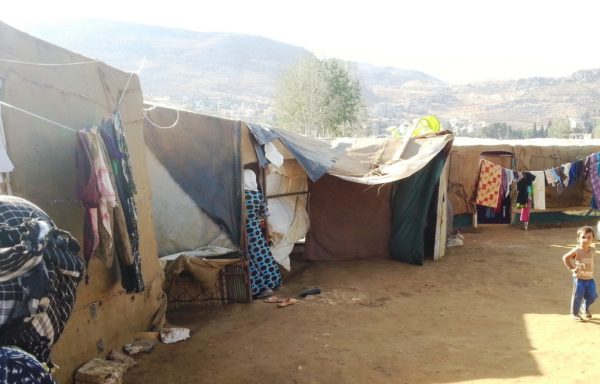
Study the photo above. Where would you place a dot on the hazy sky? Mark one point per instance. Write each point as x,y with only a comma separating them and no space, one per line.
455,40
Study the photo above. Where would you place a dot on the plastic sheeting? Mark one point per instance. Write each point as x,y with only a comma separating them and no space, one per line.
411,204
202,154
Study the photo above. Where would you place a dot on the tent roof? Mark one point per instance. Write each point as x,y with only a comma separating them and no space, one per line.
360,160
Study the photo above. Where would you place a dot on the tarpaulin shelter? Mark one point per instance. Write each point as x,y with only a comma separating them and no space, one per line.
47,94
528,155
366,197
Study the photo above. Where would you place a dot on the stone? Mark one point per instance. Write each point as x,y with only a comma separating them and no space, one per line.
173,335
100,371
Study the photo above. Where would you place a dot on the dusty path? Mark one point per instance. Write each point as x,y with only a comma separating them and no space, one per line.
493,311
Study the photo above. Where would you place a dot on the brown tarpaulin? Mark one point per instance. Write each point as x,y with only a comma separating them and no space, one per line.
529,155
348,220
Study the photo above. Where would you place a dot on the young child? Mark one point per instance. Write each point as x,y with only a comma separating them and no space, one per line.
580,261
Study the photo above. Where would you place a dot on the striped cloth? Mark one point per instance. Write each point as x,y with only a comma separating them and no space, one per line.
37,301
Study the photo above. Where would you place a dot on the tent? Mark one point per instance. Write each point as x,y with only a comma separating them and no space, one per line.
47,93
529,155
365,197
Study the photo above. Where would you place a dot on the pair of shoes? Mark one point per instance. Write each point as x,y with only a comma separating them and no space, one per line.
576,317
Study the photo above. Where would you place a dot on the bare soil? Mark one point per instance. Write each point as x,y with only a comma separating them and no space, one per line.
492,311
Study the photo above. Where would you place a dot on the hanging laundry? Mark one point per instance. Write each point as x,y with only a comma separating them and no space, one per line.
567,172
510,177
592,170
539,190
523,187
97,193
576,172
488,188
114,137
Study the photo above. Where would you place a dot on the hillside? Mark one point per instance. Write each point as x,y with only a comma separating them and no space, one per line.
235,75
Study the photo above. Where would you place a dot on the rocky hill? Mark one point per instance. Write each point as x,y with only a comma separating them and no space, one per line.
235,75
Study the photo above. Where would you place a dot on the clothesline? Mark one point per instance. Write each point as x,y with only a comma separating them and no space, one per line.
493,185
48,64
38,116
74,63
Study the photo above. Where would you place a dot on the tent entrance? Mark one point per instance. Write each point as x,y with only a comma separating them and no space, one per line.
502,213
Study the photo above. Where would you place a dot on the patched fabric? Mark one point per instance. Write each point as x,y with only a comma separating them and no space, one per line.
490,181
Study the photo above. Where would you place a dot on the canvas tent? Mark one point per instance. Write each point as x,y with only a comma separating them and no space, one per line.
347,182
529,155
68,92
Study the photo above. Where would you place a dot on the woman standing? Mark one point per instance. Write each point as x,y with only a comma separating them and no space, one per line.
264,271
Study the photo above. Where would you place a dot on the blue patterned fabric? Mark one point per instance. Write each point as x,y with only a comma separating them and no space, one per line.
19,367
264,271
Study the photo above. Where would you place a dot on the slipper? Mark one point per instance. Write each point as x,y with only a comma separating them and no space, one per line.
310,291
273,299
287,301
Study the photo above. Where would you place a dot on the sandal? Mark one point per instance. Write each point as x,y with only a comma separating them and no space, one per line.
287,301
310,291
273,299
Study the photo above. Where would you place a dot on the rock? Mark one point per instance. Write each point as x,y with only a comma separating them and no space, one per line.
173,335
139,346
100,371
121,358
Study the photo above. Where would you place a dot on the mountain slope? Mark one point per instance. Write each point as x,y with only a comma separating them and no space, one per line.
235,75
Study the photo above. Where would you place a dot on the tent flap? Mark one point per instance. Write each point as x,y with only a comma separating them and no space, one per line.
410,205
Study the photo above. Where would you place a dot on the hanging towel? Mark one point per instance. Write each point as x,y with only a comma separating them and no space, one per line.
490,179
567,172
549,178
524,214
539,190
510,177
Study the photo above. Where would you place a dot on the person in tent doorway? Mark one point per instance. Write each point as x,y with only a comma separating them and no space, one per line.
580,261
264,271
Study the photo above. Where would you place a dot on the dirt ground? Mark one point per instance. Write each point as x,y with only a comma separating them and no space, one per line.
492,311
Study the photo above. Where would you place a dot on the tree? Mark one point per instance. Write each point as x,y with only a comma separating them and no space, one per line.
560,128
320,98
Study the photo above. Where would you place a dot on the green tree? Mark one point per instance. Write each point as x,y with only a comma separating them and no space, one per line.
559,128
320,98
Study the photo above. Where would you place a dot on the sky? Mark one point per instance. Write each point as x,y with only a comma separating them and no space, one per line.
457,41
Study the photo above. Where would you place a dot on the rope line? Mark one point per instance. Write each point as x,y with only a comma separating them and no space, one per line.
158,126
49,64
38,116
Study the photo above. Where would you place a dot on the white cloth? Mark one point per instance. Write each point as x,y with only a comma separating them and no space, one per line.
5,164
539,190
566,170
273,155
250,180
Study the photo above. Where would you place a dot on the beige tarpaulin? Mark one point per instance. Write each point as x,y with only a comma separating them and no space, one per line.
529,155
205,271
378,161
288,220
